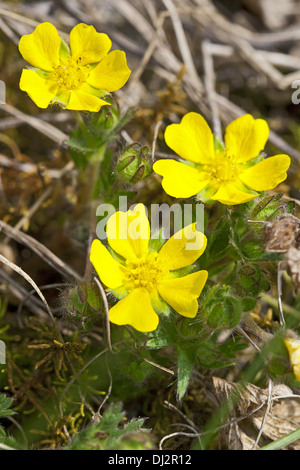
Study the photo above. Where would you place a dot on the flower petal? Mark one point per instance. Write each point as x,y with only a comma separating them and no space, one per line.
182,293
180,180
266,174
293,347
40,90
135,310
128,233
111,73
232,193
87,44
82,101
246,137
183,248
41,48
192,139
108,269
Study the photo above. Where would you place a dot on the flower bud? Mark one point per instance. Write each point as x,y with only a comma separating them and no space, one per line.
133,165
107,118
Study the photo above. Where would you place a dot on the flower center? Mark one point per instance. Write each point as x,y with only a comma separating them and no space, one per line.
224,168
70,74
147,272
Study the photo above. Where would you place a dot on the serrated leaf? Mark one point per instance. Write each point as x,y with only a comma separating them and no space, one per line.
5,403
109,432
213,356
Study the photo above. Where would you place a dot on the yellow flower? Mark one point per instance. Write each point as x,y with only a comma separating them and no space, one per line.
293,347
76,77
145,279
229,174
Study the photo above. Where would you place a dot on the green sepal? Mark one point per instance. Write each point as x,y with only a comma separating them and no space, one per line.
218,144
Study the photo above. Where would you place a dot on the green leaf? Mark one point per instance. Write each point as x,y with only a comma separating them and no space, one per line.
221,309
225,314
252,249
219,240
251,281
248,303
265,207
214,356
110,433
3,306
160,338
283,441
210,356
185,366
94,299
232,347
5,403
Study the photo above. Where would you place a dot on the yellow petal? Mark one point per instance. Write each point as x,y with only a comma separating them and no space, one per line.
41,48
246,137
232,193
40,90
293,347
192,139
135,310
111,73
183,248
87,44
296,370
128,233
81,100
180,180
267,174
182,293
108,269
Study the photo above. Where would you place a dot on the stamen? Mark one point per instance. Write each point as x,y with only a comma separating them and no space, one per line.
146,272
224,168
70,74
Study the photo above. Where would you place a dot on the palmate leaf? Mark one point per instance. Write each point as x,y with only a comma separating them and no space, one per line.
6,443
213,356
112,434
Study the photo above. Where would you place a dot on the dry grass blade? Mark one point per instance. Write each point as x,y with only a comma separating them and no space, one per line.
183,45
43,127
42,251
22,273
19,292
